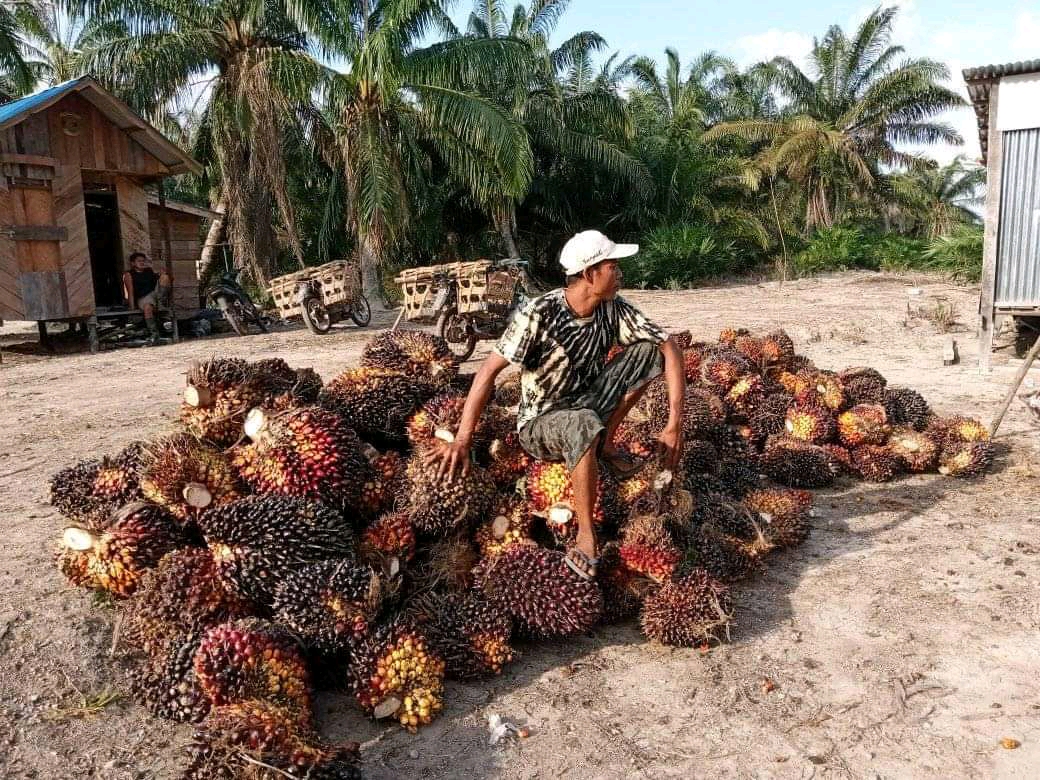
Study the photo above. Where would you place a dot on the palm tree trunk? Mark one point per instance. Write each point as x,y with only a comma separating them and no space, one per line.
371,271
211,250
505,219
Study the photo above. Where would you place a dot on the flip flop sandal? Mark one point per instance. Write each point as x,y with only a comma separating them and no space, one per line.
581,564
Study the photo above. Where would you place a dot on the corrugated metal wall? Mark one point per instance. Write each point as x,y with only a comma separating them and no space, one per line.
1018,255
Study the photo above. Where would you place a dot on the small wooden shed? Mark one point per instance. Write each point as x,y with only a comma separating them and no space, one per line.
77,169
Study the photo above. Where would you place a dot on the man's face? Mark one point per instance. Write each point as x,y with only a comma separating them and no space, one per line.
138,263
605,279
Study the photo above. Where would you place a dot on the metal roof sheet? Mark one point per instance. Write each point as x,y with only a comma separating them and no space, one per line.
117,112
998,71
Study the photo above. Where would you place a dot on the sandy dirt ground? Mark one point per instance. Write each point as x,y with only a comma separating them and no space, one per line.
902,640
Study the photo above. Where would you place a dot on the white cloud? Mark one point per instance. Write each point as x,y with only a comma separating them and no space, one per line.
1027,33
773,43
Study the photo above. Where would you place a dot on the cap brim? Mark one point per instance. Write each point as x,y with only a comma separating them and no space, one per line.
622,250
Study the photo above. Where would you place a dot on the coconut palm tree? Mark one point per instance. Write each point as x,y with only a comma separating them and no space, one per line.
931,200
846,118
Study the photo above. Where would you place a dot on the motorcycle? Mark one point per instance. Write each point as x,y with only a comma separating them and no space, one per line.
319,314
509,287
228,295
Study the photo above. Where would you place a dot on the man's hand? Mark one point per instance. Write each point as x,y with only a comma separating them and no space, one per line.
449,457
670,442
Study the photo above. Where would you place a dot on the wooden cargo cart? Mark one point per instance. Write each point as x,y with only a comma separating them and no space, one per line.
322,296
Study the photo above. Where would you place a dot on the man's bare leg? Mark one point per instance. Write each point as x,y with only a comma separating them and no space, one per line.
609,450
585,479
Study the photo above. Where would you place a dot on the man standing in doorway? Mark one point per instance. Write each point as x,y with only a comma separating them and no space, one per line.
142,286
572,400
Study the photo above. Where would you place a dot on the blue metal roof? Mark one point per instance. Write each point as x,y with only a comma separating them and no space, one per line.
26,105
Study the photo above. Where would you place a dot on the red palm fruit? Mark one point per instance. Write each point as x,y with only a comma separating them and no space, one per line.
746,395
220,393
862,372
466,631
692,357
636,439
507,460
439,418
875,463
794,382
724,557
822,389
728,336
376,402
840,459
392,534
510,524
784,514
622,589
918,452
166,684
306,452
906,407
437,505
185,476
683,339
115,559
777,348
424,357
647,548
965,458
863,424
91,490
863,389
688,611
750,347
796,463
548,486
253,659
810,422
539,591
723,368
385,484
769,417
396,673
963,429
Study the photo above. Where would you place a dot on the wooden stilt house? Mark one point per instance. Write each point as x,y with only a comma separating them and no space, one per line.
78,194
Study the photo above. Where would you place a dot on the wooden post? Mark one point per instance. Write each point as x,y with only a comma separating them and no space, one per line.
1019,376
164,215
994,158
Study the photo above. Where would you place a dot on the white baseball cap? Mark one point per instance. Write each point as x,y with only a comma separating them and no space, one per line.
589,247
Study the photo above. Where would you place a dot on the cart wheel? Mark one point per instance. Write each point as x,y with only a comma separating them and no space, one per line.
361,312
316,316
456,330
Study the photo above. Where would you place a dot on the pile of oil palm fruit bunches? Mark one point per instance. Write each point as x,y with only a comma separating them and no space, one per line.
290,535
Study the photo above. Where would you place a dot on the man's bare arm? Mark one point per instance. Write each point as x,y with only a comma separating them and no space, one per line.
675,379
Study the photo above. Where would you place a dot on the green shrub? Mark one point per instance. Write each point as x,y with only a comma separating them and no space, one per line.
835,248
898,253
958,254
676,256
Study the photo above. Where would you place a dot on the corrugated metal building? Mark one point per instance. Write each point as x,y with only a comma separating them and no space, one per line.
1007,105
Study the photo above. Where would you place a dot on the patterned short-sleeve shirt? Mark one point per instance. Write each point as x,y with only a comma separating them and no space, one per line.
561,354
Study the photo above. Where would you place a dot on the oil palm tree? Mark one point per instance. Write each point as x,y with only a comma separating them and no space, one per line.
846,118
931,200
17,75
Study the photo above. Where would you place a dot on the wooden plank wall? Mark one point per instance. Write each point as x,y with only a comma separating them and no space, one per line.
185,248
11,307
133,217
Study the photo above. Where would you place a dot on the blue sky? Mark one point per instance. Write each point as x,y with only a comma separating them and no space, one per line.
961,34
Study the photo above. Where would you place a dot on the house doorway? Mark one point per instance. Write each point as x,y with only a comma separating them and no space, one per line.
106,251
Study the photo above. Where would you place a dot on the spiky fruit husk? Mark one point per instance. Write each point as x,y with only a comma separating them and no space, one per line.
863,424
738,477
439,418
750,347
724,557
731,443
91,490
257,540
728,336
541,593
687,611
509,523
862,372
647,548
166,683
424,357
234,387
794,382
398,666
777,348
692,358
507,392
840,459
811,422
438,506
722,369
636,439
507,460
257,740
174,464
386,482
784,515
875,463
620,586
392,534
864,390
698,414
746,395
769,417
330,605
796,463
253,659
375,402
906,407
183,594
304,392
467,632
115,559
965,458
548,484
700,457
727,516
824,389
917,451
961,429
308,453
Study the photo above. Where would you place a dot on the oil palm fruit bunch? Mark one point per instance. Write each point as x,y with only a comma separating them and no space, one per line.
392,534
396,673
905,406
811,422
385,483
257,540
445,565
863,388
219,394
166,683
682,339
647,548
965,458
510,523
548,489
863,424
840,459
306,388
438,506
91,490
796,463
822,388
376,402
769,417
750,347
507,460
796,383
424,357
692,359
185,476
723,368
115,559
539,591
784,515
700,457
253,659
725,515
507,391
959,429
688,611
917,451
636,439
467,632
862,372
745,396
738,477
728,336
329,605
182,595
644,490
439,418
306,452
724,557
622,588
875,463
777,348
258,740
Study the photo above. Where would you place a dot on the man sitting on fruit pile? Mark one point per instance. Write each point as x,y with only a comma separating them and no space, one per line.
572,399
